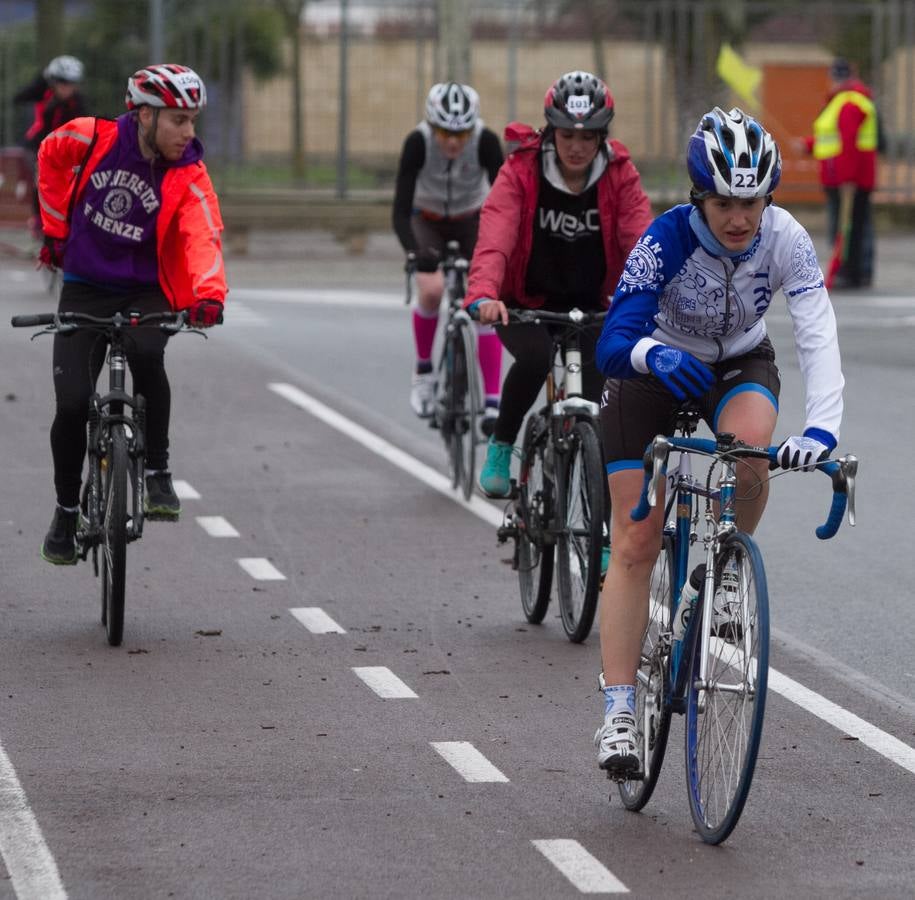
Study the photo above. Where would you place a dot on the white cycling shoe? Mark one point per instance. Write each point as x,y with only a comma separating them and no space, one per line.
617,742
422,394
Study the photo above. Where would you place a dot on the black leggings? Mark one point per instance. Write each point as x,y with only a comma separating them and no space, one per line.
78,360
530,345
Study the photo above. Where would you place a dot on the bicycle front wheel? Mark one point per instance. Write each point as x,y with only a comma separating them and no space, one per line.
652,713
467,411
114,534
724,712
581,517
534,514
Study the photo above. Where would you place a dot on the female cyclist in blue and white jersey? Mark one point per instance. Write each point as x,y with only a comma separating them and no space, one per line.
687,320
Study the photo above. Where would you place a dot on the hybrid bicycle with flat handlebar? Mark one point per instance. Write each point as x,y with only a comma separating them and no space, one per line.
116,452
709,660
559,504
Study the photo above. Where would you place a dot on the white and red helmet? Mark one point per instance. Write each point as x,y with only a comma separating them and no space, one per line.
166,86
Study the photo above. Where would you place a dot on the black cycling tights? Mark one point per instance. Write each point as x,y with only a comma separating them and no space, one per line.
78,360
530,345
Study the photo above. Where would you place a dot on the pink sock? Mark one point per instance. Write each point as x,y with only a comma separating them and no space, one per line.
489,350
424,325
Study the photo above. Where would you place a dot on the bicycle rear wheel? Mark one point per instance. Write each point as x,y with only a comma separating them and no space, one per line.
114,535
581,516
724,717
535,512
652,681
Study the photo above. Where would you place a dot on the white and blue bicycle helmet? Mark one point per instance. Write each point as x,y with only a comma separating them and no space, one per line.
732,155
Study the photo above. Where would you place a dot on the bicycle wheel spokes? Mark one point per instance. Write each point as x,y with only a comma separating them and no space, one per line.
114,535
533,513
652,713
724,714
581,515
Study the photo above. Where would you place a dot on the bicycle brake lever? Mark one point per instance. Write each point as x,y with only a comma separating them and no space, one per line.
849,466
660,450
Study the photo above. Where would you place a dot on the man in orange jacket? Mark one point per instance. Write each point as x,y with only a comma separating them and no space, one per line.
130,215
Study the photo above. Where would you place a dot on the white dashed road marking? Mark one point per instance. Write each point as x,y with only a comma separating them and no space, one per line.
469,763
184,490
316,620
261,569
216,526
384,683
588,874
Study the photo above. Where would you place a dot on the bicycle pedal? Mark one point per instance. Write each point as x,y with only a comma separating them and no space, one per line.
618,776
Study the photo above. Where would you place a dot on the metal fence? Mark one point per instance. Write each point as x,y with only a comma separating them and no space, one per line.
364,69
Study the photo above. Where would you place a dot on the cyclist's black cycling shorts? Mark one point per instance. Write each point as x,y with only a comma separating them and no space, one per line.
432,237
634,410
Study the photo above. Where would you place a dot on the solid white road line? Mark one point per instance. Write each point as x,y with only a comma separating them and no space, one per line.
885,744
184,490
28,860
323,297
384,682
469,763
316,620
216,526
261,569
387,451
588,874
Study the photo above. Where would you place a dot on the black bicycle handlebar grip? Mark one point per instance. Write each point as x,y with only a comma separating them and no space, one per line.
473,312
32,321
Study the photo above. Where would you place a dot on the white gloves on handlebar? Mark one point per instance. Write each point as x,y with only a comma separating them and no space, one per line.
802,452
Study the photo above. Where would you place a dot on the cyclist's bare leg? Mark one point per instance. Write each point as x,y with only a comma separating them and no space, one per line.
430,286
751,417
624,598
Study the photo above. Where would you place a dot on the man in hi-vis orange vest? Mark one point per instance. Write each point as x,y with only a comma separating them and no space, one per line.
844,142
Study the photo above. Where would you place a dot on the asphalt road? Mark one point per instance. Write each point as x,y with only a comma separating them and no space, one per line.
233,748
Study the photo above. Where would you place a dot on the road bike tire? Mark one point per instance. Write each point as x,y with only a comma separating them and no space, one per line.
581,517
652,685
724,727
114,534
534,512
468,412
453,378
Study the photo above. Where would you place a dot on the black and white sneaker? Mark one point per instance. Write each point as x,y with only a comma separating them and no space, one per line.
726,618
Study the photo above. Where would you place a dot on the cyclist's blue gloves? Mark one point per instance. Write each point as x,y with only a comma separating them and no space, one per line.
680,372
803,452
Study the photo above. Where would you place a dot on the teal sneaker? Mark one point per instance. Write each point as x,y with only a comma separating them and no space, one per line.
495,477
604,559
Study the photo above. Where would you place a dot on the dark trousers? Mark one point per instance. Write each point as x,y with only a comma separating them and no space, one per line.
531,346
858,257
78,360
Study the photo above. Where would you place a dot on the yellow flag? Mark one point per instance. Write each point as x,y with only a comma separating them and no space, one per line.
739,76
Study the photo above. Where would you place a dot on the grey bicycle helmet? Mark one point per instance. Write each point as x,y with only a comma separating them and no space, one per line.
452,106
64,68
732,155
579,100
